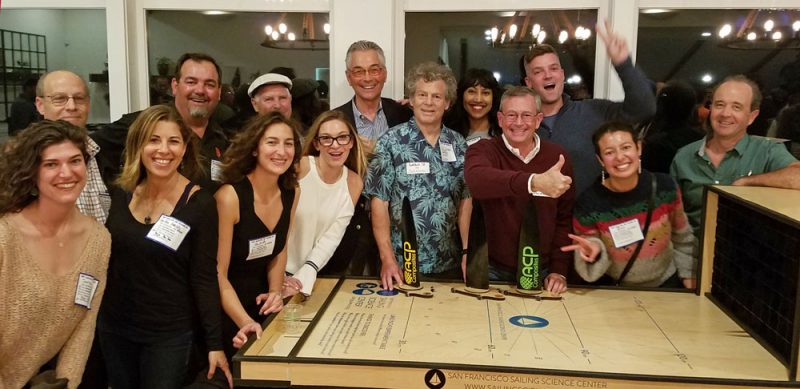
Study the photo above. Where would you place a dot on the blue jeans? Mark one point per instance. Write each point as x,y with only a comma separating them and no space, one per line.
133,363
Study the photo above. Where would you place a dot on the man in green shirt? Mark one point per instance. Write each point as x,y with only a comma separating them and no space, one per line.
729,156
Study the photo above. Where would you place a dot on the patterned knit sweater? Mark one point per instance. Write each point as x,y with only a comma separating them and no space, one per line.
38,315
669,243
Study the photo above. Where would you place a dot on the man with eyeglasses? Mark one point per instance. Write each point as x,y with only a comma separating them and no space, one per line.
371,116
368,112
63,95
271,92
504,174
571,123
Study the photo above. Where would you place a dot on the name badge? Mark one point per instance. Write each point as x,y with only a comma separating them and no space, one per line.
84,291
448,154
626,233
169,231
418,167
261,247
216,170
472,141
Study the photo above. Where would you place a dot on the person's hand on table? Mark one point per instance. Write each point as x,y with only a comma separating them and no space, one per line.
273,302
555,283
689,283
241,336
390,271
291,286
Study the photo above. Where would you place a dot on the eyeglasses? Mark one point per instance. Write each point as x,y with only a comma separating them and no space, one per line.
61,100
511,117
342,140
373,71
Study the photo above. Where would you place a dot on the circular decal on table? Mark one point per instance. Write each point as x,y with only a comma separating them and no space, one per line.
434,379
363,291
388,292
527,321
367,285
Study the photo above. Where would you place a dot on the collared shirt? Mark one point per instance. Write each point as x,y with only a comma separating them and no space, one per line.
693,170
434,196
370,129
94,200
526,158
212,145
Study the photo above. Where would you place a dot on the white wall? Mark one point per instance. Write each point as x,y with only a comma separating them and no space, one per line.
76,40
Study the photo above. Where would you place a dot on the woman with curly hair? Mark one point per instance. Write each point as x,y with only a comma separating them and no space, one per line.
162,280
256,206
474,114
330,178
53,259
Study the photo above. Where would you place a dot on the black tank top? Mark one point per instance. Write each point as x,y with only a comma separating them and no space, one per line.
249,277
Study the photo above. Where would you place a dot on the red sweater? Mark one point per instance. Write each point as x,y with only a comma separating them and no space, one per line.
499,181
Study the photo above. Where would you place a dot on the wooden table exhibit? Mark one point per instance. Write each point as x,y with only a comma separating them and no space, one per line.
355,335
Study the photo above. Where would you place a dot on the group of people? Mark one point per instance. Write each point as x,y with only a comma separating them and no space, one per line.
204,235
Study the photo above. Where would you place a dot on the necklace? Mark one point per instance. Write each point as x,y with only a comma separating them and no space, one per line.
147,219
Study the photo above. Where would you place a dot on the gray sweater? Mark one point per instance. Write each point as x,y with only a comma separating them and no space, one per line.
573,125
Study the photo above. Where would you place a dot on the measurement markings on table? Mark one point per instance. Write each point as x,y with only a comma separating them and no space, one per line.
403,340
489,347
678,354
584,351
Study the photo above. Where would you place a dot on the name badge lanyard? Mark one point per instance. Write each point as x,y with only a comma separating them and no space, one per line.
650,204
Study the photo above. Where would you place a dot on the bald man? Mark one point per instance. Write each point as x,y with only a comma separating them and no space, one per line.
63,95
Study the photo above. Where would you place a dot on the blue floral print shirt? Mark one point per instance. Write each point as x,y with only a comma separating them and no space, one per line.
406,165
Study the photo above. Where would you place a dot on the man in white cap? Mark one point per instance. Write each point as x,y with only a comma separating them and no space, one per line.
271,92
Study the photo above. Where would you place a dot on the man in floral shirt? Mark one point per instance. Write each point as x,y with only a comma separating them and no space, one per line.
424,161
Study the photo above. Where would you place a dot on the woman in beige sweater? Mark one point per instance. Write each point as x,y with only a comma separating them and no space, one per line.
53,259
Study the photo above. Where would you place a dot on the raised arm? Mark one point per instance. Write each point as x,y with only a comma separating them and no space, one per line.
640,100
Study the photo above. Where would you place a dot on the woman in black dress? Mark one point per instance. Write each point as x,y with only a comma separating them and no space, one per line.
256,206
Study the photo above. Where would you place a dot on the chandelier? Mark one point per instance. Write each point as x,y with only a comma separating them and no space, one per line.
521,31
778,29
282,36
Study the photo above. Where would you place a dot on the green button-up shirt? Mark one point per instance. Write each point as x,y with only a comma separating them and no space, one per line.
693,170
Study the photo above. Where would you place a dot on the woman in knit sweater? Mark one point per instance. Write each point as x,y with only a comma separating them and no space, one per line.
609,218
330,181
53,259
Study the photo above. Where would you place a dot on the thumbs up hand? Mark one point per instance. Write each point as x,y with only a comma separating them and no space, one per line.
552,182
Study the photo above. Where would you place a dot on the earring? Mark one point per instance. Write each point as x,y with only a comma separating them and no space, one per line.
640,166
35,191
603,176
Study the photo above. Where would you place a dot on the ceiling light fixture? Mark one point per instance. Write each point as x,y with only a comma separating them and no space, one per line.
283,35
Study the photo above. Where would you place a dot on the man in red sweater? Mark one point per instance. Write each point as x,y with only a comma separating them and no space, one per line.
506,172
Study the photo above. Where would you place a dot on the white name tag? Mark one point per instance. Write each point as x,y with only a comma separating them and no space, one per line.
626,233
261,247
448,154
169,231
84,291
216,170
472,141
418,167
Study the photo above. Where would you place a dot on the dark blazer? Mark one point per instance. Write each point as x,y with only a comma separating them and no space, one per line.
395,112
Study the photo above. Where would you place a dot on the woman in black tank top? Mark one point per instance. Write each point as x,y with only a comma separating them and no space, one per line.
256,206
162,283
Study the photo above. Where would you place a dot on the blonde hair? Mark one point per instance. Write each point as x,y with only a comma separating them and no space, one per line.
133,171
